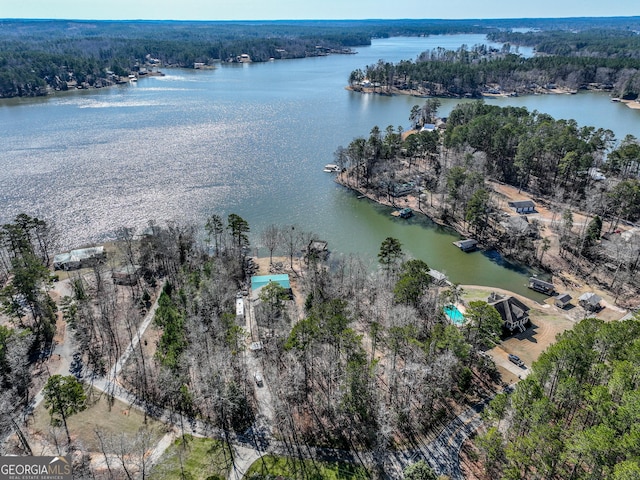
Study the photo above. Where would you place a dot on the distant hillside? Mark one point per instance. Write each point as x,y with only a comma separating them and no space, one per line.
37,56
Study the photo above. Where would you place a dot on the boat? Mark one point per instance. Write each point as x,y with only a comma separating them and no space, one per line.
133,78
331,168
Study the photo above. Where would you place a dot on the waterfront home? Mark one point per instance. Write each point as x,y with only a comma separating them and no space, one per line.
523,206
402,189
79,258
466,245
590,302
562,300
519,225
541,286
514,313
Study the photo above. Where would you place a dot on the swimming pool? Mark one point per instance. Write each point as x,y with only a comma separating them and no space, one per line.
453,314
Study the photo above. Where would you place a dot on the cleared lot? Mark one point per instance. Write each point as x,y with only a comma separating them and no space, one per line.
547,321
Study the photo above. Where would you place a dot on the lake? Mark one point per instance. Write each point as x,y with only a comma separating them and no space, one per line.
249,139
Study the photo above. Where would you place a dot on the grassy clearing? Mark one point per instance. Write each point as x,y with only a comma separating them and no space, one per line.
117,419
193,458
305,469
474,295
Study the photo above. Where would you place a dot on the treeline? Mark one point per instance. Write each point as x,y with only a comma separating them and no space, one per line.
472,72
576,415
41,54
37,55
26,248
595,42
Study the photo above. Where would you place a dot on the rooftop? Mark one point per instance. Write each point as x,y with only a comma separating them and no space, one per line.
522,204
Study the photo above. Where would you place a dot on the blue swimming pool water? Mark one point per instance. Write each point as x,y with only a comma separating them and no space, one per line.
455,315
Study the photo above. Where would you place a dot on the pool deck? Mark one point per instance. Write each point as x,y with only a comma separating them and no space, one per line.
457,318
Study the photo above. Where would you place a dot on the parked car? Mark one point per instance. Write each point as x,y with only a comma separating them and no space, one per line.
516,359
258,378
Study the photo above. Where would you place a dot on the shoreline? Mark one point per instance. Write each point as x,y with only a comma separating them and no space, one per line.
565,280
633,104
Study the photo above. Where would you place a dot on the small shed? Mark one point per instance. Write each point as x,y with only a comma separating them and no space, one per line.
541,286
523,206
590,301
562,300
466,245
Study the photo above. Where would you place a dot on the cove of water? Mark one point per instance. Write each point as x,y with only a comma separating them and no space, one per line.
248,139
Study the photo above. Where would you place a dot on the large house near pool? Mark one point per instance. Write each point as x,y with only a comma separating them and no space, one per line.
514,313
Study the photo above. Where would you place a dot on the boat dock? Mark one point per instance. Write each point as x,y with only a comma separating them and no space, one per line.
404,213
467,245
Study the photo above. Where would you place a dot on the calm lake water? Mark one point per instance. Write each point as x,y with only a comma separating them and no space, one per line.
245,139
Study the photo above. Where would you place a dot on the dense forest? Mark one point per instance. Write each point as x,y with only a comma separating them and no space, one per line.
596,42
577,414
481,70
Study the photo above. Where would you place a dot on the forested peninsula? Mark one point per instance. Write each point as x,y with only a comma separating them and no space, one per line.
467,172
41,56
595,59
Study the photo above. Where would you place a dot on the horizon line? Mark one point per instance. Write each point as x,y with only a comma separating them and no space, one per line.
313,19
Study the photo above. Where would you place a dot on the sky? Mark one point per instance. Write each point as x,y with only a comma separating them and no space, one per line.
309,9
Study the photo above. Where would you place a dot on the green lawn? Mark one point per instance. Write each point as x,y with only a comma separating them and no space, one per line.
193,458
115,419
304,469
